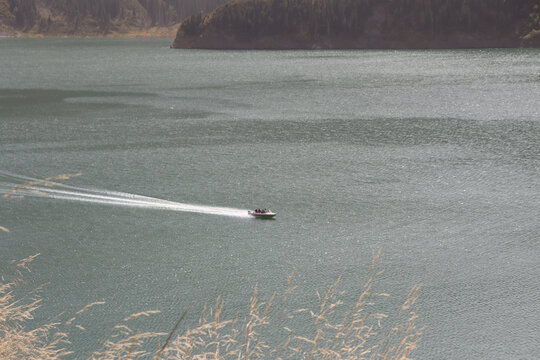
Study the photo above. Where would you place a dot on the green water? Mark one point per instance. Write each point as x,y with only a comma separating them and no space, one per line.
431,156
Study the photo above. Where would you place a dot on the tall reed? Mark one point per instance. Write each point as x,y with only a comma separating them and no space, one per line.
16,341
332,330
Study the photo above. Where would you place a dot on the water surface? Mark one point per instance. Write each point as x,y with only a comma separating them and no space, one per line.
431,156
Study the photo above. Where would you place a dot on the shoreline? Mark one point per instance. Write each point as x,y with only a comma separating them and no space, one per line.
286,44
151,32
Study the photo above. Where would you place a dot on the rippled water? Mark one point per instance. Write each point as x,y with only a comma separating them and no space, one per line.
431,156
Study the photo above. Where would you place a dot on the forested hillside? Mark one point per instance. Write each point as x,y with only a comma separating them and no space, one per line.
96,16
360,23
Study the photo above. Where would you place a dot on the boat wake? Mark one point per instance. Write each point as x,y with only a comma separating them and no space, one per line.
22,186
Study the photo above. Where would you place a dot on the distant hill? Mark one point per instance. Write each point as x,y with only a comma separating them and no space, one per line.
309,24
95,17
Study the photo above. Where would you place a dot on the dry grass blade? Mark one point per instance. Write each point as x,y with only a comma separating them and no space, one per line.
142,313
16,341
15,192
289,288
403,336
170,335
62,177
132,347
85,308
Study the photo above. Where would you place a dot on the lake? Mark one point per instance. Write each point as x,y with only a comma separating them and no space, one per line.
433,157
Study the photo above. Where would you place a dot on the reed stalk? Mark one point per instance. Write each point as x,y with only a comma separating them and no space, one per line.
338,331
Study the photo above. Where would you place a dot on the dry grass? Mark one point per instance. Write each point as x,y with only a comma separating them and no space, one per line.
17,342
336,332
16,191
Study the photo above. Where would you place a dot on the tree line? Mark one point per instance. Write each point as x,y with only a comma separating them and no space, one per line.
349,17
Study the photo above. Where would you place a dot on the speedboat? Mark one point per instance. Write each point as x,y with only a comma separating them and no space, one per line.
262,214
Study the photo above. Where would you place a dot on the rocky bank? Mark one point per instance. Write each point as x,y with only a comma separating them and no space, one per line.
364,24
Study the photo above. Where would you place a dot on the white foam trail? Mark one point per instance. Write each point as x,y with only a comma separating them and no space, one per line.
213,210
85,190
148,203
105,197
49,191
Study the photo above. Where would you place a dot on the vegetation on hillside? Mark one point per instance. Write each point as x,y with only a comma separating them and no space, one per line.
351,18
80,16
